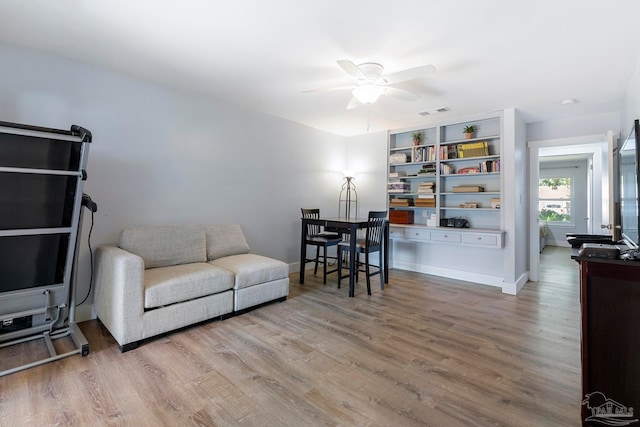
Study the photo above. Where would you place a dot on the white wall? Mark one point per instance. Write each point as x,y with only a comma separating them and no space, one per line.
577,126
515,201
162,156
367,156
632,105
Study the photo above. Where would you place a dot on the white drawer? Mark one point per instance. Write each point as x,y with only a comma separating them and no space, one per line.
396,232
446,236
417,234
480,239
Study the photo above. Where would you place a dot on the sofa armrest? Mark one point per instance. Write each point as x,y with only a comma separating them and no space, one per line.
119,298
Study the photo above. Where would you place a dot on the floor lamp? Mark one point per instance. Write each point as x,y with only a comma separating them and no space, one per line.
348,201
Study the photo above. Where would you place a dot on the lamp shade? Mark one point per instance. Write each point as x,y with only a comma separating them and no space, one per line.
368,93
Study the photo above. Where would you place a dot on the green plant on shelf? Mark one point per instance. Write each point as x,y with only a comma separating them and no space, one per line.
416,137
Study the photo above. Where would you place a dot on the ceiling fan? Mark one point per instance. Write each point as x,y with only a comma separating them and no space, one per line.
370,83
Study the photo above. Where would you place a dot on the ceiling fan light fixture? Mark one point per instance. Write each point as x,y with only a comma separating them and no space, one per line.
368,93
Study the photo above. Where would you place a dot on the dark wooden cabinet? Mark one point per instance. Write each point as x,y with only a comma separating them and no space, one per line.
610,303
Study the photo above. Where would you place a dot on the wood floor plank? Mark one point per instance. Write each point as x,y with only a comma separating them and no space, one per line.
426,351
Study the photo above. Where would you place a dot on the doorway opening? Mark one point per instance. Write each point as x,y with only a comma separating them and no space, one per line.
586,159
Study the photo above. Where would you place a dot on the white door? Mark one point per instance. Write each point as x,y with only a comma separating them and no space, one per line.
608,205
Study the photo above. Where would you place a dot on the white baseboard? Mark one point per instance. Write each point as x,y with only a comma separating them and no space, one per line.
514,288
468,276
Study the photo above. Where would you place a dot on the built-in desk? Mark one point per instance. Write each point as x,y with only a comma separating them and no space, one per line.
610,345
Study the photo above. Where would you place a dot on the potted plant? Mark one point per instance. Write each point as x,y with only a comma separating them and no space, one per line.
468,131
417,138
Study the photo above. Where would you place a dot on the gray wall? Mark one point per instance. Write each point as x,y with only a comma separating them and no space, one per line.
632,104
161,156
164,156
577,126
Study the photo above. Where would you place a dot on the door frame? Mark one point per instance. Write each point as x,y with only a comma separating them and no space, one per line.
597,145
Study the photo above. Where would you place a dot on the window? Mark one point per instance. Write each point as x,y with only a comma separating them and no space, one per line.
554,195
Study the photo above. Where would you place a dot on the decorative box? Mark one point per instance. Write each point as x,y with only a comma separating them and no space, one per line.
401,217
398,158
398,187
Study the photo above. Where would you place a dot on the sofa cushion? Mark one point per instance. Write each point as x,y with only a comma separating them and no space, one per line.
251,269
224,240
162,246
177,283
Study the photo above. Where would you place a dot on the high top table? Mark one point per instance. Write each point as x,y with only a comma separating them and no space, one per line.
350,227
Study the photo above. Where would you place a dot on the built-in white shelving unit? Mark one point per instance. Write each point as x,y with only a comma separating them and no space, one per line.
462,179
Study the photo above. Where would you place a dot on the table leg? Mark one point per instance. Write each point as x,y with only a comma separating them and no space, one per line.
303,251
352,258
386,253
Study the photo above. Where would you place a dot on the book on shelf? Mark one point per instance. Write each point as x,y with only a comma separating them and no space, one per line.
468,189
426,188
473,149
398,174
427,170
495,203
490,166
431,154
401,202
447,169
425,203
452,152
463,171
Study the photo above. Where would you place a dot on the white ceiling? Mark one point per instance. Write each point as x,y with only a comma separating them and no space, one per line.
490,54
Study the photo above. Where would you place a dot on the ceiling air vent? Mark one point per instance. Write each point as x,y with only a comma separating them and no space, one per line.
433,111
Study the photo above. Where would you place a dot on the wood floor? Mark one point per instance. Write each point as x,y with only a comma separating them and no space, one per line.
426,351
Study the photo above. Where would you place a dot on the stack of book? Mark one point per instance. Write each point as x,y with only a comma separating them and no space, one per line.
468,189
495,203
400,203
428,170
398,174
426,197
422,202
426,188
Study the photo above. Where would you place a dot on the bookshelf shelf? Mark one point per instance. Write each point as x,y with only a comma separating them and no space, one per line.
445,153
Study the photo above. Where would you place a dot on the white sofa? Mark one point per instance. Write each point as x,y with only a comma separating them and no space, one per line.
161,278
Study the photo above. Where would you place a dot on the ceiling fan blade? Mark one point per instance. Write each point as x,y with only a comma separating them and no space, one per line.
353,103
329,89
401,94
410,74
351,68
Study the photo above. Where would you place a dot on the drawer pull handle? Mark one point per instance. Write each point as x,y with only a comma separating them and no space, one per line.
479,238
